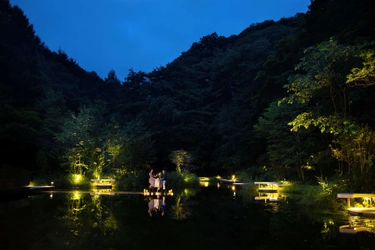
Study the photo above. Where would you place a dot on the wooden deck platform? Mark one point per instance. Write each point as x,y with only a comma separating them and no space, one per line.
367,211
231,181
355,195
268,186
39,187
103,183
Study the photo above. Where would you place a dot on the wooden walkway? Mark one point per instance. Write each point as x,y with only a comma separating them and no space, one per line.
38,187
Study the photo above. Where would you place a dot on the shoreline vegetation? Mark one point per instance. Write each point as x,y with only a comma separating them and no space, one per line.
310,198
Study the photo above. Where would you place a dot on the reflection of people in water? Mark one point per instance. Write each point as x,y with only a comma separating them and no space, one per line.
150,206
162,208
156,206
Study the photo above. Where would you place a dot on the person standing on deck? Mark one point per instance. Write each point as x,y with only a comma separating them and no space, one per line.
151,180
163,178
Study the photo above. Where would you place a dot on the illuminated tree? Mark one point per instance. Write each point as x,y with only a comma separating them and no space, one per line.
181,158
331,73
80,136
287,151
363,76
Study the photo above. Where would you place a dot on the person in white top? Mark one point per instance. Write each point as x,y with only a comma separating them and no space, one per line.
151,180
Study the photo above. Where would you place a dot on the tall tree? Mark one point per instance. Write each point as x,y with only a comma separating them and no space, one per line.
329,87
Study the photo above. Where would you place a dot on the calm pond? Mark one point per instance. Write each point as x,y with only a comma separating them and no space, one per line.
208,218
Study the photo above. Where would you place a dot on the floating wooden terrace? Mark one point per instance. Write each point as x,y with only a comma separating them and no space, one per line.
268,191
39,187
369,210
103,183
267,186
231,181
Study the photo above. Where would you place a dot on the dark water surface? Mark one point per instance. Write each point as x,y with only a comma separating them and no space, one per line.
207,218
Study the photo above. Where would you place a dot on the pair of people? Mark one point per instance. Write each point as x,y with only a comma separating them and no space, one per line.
154,178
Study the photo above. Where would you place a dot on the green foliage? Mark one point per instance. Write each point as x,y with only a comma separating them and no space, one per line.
77,180
178,181
129,182
364,76
324,66
256,173
182,159
289,152
190,179
137,146
39,182
356,147
317,198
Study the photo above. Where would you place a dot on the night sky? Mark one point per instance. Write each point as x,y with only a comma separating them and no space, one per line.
142,34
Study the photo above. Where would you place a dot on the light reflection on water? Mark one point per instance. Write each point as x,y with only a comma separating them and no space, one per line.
213,216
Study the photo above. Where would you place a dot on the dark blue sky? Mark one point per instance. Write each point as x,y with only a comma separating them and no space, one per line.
142,34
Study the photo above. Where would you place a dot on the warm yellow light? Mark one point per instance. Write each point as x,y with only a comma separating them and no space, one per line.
204,183
308,167
76,196
77,178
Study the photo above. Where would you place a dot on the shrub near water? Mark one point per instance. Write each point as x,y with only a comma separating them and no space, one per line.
175,180
76,180
184,179
318,198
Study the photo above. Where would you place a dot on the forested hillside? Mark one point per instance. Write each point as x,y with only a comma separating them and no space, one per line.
292,97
